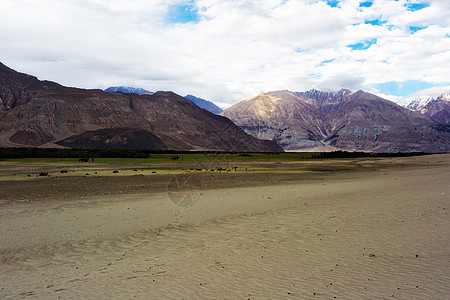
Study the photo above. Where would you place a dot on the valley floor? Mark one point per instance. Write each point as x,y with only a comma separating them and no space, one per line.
344,229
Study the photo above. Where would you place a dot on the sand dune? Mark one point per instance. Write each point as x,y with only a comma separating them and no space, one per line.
370,235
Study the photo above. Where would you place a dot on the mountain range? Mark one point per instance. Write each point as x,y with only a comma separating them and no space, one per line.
343,120
36,113
202,103
438,109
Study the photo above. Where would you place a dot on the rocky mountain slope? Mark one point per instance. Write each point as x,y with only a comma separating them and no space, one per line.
316,120
205,104
438,109
45,114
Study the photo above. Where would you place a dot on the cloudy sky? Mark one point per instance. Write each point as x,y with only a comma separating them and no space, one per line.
230,50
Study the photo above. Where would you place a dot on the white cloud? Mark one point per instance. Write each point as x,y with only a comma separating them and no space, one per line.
431,92
237,50
397,99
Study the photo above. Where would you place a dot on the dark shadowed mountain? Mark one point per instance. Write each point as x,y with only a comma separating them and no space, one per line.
115,138
46,114
128,90
205,104
343,120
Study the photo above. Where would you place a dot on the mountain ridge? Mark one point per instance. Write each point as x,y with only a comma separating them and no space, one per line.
200,102
437,108
46,114
342,120
128,90
36,113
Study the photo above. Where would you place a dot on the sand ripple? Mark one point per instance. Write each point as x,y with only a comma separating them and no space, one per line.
383,236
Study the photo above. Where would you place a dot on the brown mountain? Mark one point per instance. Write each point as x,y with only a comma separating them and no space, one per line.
46,114
345,120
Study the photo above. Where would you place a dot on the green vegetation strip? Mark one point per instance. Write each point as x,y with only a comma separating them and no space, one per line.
94,157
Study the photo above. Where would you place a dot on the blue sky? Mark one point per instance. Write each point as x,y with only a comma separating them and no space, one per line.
414,6
183,13
363,45
227,50
405,88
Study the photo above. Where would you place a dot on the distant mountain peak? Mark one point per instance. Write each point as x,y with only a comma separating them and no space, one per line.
437,108
324,97
205,104
419,103
128,90
445,96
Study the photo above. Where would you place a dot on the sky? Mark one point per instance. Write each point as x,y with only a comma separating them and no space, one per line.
230,50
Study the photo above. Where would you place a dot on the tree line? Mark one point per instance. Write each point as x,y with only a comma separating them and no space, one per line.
6,153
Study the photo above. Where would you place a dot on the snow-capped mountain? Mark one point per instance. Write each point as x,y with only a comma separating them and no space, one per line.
437,108
128,90
419,103
445,96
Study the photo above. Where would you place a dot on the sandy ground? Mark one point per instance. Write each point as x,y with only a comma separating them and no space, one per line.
352,229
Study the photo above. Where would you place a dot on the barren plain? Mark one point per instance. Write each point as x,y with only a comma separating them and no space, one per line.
369,228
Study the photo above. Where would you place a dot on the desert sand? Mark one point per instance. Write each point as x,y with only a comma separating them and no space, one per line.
367,229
